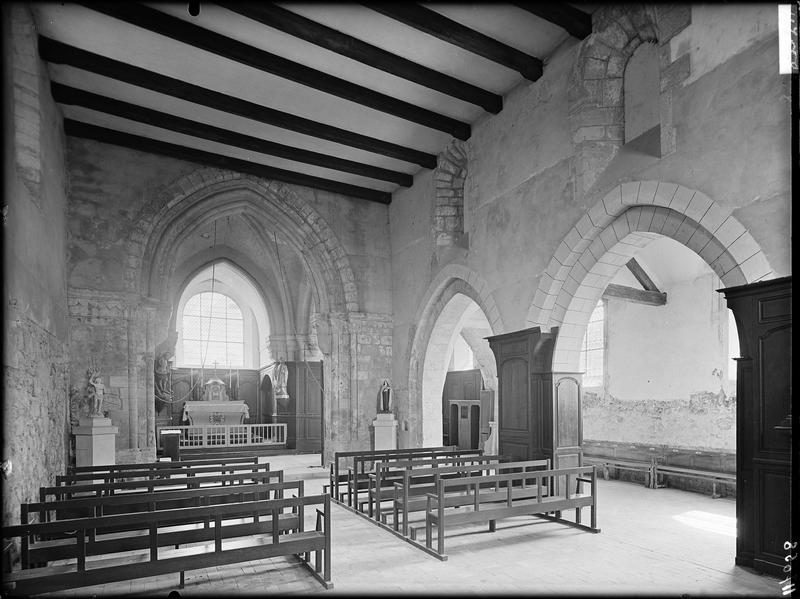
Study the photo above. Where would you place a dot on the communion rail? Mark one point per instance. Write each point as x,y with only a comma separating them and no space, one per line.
229,435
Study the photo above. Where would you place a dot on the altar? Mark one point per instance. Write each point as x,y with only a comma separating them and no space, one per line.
202,413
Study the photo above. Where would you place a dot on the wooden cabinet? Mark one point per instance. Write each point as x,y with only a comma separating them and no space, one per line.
763,313
539,410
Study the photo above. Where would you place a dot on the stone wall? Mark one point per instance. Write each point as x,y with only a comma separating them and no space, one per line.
533,181
35,341
141,226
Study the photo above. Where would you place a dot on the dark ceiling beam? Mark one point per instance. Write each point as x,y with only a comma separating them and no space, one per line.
351,47
631,294
65,94
641,275
433,23
231,49
573,20
153,146
60,53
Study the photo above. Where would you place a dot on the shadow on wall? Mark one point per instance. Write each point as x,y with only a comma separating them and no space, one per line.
705,420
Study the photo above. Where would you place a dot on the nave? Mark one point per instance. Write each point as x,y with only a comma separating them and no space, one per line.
653,542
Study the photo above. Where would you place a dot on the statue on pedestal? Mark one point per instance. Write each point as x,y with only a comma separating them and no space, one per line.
385,397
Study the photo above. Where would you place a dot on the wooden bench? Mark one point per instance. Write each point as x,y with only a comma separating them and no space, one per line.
49,549
486,506
232,543
162,464
647,468
358,473
338,469
150,473
714,477
380,485
410,494
149,486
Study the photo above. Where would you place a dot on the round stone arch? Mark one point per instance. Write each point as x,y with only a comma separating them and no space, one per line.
629,217
451,292
595,85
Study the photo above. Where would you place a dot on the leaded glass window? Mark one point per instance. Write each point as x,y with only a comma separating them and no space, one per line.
213,331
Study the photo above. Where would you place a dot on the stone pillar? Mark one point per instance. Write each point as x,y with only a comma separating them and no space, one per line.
95,441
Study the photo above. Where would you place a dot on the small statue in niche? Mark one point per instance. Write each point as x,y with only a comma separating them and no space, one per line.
280,376
385,396
162,378
95,391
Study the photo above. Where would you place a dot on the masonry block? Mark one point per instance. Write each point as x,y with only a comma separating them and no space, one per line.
664,194
672,19
744,247
729,231
675,73
755,267
685,231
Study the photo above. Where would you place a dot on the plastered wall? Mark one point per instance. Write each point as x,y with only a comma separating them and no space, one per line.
530,179
667,372
35,320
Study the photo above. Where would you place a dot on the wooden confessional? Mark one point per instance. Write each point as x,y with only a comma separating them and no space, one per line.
539,410
466,409
763,313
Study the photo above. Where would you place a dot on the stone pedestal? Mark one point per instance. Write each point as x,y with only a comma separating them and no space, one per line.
95,441
385,427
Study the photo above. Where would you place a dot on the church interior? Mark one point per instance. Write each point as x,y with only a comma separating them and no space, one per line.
298,231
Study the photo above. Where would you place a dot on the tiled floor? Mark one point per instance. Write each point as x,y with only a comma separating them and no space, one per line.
653,542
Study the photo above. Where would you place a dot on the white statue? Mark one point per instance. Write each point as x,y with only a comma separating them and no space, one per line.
95,391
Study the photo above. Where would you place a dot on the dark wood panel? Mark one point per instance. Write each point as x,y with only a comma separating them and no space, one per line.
775,400
231,49
567,415
336,41
774,513
514,415
775,307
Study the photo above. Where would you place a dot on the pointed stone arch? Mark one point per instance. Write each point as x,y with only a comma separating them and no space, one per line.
604,239
452,281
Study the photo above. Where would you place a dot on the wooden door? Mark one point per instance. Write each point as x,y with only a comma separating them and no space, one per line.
304,386
459,386
763,313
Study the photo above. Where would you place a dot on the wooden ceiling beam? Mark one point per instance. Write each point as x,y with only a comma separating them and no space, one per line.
435,24
631,294
153,146
351,47
573,20
65,94
59,53
231,49
641,275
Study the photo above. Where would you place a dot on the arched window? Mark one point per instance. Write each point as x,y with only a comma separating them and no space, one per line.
212,331
593,348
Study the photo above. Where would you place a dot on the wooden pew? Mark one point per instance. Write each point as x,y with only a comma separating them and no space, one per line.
46,550
410,493
358,475
231,544
150,486
162,464
486,506
149,473
381,481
